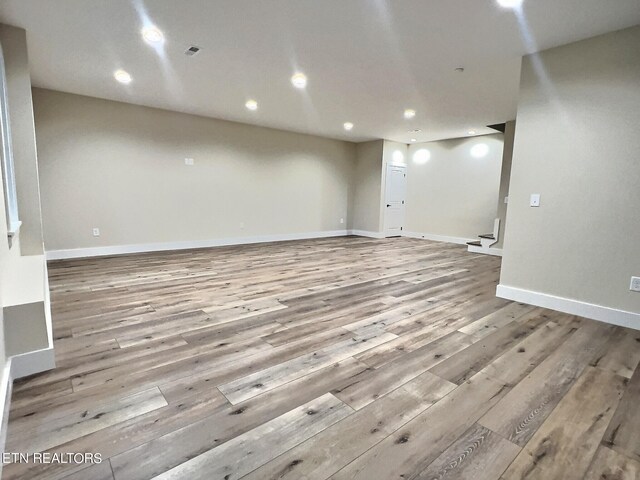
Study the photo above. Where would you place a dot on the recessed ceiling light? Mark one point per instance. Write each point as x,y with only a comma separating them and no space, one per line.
414,140
251,105
408,113
472,132
152,35
480,150
122,77
348,126
510,3
459,69
299,80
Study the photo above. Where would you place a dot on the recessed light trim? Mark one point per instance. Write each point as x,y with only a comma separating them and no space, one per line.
152,35
299,80
348,126
409,113
122,77
251,105
510,3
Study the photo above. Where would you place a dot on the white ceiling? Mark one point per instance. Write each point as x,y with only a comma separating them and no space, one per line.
366,60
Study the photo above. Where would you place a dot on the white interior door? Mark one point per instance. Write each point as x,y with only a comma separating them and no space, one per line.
395,197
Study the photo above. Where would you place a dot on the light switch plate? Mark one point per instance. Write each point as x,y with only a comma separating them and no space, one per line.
96,232
635,284
188,161
535,200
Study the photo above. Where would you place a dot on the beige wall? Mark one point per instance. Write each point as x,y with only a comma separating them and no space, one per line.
505,176
577,144
453,194
120,168
367,187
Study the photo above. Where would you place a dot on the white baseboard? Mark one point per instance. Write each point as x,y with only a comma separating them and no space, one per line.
366,233
26,364
438,238
158,247
496,252
610,315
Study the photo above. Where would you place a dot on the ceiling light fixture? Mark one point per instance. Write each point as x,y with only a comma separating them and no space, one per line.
415,130
251,105
348,126
152,35
408,113
472,132
414,140
299,80
122,77
459,70
510,3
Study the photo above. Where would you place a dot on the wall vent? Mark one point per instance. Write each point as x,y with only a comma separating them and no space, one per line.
191,51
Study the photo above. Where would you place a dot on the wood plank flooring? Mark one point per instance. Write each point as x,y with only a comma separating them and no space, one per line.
343,358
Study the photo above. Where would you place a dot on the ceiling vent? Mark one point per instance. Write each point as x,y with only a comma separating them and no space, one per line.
191,51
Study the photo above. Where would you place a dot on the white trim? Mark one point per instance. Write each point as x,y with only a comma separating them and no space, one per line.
367,233
438,238
158,247
497,252
610,315
28,363
6,388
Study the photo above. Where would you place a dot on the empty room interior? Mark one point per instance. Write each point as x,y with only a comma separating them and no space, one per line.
320,239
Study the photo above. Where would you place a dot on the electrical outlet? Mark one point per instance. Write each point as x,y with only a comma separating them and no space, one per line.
188,161
506,199
635,284
535,200
96,232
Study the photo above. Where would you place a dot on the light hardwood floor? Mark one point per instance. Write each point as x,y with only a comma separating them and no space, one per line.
344,358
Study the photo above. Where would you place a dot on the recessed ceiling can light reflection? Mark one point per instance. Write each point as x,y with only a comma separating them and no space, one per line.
122,76
472,132
480,150
348,126
299,80
251,105
152,35
510,3
421,156
414,140
409,113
